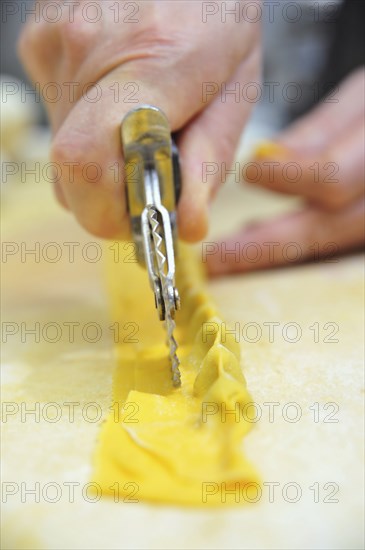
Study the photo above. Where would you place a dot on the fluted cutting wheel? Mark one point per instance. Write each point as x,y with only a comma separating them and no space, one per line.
167,292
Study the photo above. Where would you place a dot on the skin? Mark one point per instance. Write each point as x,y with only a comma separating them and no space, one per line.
167,55
332,218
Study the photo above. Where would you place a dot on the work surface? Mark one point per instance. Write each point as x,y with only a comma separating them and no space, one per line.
308,393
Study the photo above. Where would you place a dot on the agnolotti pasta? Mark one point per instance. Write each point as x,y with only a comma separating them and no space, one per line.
167,445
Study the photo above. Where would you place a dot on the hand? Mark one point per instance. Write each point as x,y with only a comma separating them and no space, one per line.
327,147
162,58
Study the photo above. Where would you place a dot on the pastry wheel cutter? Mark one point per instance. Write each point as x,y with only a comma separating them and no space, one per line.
152,176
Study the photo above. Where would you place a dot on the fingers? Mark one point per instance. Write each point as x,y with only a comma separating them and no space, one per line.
163,59
309,234
348,184
332,117
331,179
39,61
81,48
210,140
91,135
87,150
321,157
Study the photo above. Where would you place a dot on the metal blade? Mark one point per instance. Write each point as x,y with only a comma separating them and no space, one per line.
168,290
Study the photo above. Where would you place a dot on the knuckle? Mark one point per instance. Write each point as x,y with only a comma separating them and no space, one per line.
35,50
28,41
59,150
334,198
78,35
64,153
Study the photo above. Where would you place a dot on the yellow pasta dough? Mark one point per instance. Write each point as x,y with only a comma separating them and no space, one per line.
167,445
270,149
